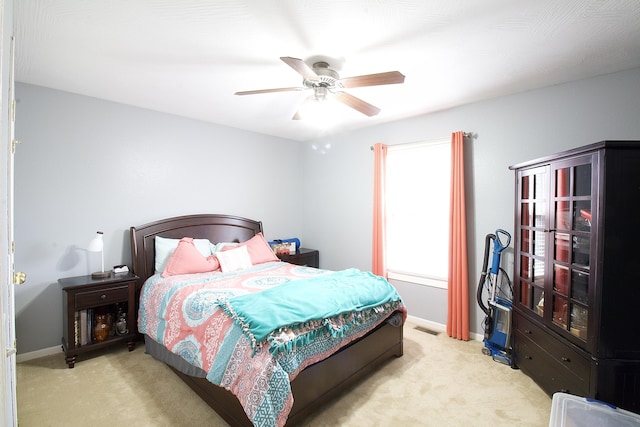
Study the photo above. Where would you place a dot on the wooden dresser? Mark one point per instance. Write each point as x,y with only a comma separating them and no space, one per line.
576,310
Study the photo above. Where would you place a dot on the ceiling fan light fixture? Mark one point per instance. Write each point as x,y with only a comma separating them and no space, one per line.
320,93
320,113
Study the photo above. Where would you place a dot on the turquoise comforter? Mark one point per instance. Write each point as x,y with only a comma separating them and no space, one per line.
330,303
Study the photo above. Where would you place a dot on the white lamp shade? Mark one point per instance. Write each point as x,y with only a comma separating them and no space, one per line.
96,244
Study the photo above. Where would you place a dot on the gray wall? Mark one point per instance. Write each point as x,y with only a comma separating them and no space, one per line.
513,129
88,164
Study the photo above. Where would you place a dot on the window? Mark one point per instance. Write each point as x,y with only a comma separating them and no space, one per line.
417,209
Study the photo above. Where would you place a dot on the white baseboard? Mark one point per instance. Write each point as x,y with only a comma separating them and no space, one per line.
439,327
23,357
418,321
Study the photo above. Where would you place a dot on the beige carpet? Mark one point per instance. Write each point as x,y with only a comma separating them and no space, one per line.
438,382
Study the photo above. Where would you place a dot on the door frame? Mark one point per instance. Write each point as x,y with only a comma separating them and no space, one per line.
8,405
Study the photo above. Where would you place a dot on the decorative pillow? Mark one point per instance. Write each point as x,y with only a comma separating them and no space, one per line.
187,259
234,259
165,247
259,250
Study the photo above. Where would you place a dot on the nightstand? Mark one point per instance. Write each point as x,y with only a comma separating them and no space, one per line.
303,256
85,298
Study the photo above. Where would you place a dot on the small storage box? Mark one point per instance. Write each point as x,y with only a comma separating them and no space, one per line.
568,410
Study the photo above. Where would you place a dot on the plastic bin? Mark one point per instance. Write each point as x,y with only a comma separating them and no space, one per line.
568,410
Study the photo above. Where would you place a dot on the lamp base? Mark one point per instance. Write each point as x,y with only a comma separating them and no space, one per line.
100,274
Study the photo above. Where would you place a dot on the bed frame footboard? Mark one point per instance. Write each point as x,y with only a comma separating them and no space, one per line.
316,384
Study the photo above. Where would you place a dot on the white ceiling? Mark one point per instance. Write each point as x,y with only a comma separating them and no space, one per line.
188,57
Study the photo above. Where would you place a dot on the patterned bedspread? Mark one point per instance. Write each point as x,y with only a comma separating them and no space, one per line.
183,313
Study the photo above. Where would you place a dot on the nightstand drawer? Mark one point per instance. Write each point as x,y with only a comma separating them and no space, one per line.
100,297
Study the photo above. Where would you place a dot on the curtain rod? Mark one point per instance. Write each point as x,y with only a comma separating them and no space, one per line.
465,134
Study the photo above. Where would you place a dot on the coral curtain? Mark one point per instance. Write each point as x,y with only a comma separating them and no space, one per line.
458,289
378,263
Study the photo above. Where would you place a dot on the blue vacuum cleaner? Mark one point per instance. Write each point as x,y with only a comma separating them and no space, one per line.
497,285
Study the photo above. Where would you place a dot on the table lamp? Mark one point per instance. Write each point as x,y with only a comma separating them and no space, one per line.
97,245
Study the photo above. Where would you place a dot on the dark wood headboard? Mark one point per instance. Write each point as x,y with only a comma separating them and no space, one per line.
216,228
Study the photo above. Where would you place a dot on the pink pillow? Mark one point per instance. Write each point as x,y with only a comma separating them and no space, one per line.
259,249
186,259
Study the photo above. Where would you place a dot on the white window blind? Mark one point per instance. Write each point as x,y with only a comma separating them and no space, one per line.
417,206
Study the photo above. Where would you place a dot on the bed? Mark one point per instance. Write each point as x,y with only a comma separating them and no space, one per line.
315,381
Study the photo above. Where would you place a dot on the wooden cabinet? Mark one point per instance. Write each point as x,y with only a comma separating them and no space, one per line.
84,299
576,305
303,256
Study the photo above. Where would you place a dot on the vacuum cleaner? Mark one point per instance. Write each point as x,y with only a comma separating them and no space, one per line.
495,283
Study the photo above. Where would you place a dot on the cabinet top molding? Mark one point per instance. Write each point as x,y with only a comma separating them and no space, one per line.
620,144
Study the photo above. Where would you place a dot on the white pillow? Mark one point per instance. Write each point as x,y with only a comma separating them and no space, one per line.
218,246
234,259
166,246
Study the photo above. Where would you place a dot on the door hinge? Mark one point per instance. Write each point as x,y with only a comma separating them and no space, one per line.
13,145
13,350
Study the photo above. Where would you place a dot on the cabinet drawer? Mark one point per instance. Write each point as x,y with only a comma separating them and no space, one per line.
100,297
545,369
565,355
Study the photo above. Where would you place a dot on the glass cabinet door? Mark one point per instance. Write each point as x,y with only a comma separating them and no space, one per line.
533,218
570,235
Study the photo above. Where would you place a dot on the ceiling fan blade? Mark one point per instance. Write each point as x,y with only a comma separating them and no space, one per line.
301,67
282,89
388,78
297,115
357,104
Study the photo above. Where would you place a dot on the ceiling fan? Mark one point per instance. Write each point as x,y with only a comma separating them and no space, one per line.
325,82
